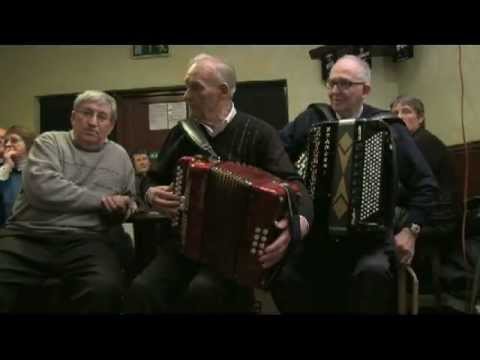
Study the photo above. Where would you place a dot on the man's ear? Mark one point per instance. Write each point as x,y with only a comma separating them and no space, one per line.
112,124
224,89
72,117
366,90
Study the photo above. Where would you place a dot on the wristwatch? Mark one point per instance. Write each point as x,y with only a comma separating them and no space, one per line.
415,229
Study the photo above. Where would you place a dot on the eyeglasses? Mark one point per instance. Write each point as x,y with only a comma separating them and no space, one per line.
13,140
342,84
89,113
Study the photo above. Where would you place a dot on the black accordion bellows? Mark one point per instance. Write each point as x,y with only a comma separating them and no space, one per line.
349,167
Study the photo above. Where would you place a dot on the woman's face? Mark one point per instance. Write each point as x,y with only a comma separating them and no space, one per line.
15,146
409,116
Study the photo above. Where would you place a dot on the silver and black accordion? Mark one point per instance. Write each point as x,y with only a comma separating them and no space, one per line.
228,216
349,168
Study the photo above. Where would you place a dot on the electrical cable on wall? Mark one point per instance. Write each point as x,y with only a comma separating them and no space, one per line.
466,160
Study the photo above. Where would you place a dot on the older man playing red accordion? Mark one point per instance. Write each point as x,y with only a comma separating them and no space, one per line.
173,281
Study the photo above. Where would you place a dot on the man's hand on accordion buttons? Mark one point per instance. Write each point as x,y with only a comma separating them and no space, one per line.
163,198
276,250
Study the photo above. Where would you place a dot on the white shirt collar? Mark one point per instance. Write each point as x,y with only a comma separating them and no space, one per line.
356,116
214,132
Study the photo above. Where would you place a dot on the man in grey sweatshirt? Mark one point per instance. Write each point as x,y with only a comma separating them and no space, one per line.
77,187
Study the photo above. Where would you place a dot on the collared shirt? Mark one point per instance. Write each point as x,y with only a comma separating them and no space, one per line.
357,115
218,129
6,170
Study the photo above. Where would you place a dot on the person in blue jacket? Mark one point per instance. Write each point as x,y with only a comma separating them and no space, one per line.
18,141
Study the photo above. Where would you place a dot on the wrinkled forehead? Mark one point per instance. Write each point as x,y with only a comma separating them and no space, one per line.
95,105
401,105
405,106
13,135
138,157
346,69
202,72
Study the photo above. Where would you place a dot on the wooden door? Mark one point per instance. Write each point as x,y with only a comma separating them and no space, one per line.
134,127
266,100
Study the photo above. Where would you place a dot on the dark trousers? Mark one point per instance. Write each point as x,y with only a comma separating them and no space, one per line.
348,276
92,279
439,240
173,283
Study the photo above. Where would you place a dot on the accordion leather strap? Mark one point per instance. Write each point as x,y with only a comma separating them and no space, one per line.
293,218
390,119
195,134
324,110
295,234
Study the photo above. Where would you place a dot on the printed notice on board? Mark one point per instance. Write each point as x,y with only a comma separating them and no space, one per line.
157,116
164,116
176,111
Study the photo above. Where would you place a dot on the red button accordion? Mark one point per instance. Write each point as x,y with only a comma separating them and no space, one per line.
228,216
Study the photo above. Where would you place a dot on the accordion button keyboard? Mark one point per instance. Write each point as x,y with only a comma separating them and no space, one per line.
253,251
265,231
256,237
264,238
258,230
255,244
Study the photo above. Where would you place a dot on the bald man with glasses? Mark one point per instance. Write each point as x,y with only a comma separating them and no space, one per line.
329,275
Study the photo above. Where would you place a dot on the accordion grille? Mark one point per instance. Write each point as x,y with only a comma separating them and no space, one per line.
372,176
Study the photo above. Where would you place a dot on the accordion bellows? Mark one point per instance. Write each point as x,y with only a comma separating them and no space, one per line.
228,217
349,168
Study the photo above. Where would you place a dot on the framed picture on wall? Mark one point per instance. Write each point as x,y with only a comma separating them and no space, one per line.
148,51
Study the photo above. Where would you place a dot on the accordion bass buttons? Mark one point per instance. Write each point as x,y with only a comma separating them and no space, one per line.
259,240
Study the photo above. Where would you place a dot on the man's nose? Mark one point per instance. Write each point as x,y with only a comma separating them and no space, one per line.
335,89
186,95
93,120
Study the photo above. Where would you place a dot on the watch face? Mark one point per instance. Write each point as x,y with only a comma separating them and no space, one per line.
415,228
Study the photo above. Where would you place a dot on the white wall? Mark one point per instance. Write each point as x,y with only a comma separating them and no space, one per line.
433,75
31,71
